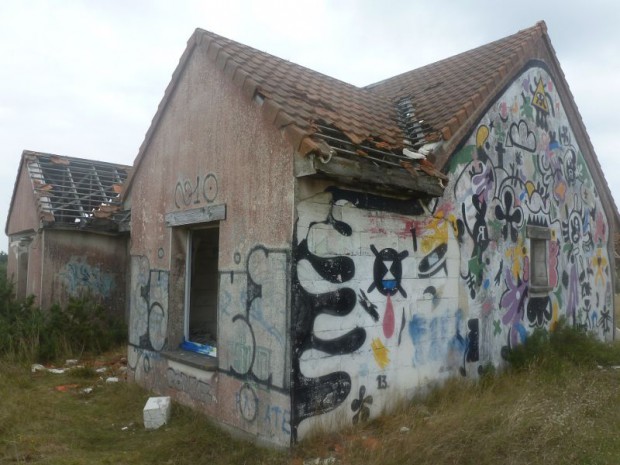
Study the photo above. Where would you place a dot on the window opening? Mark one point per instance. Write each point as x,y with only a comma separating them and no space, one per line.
202,291
539,274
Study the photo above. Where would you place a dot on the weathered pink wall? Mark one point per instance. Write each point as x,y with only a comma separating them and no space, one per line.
78,263
212,147
23,219
23,216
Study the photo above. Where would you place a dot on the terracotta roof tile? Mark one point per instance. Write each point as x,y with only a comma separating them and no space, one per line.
437,101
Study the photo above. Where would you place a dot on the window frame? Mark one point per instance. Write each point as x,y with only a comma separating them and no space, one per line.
538,235
184,222
189,261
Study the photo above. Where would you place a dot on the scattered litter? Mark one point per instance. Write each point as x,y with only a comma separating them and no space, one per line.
56,371
101,370
66,387
122,369
112,379
125,428
87,390
156,412
71,362
320,461
404,429
36,367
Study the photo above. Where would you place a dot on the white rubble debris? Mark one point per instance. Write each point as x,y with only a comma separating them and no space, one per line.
156,412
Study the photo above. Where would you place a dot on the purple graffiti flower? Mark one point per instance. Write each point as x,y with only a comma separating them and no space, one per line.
513,299
482,182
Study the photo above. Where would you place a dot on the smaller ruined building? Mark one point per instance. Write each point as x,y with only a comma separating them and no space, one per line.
67,232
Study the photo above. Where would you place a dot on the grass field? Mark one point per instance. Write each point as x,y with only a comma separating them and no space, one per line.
551,414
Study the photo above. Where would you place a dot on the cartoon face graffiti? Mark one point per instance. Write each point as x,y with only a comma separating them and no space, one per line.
388,271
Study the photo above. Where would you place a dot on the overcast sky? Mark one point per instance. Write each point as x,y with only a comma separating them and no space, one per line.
84,78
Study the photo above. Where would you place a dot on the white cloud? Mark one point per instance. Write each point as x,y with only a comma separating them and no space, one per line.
84,78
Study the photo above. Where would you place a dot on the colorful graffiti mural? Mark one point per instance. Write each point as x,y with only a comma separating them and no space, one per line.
375,296
390,294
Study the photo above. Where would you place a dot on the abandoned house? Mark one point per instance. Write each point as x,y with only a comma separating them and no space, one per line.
304,251
67,234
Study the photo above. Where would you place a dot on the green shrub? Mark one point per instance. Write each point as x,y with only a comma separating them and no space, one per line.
564,344
82,326
27,333
21,324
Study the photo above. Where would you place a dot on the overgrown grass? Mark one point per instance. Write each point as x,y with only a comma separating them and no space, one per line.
559,403
47,418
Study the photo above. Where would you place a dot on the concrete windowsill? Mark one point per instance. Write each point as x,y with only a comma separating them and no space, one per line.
537,291
193,359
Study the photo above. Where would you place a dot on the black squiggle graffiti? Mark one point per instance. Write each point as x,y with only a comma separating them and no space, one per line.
154,337
368,201
255,291
472,344
314,396
332,269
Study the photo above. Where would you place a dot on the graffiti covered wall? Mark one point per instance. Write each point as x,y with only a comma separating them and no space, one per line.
212,151
376,306
391,295
523,167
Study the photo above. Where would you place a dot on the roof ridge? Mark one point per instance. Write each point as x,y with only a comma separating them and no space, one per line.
539,28
218,38
448,93
276,82
473,105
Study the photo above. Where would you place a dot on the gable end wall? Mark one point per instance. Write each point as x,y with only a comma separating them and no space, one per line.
212,150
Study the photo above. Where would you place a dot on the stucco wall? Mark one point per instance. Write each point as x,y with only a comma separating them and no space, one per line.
32,245
386,302
23,221
77,263
23,215
212,147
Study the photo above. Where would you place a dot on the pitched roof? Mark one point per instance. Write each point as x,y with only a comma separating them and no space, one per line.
445,93
74,192
430,109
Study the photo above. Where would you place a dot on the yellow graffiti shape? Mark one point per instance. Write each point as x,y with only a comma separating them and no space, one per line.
517,254
599,263
436,232
540,98
515,106
482,135
380,352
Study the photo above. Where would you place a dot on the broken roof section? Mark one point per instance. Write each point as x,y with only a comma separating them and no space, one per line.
75,192
396,133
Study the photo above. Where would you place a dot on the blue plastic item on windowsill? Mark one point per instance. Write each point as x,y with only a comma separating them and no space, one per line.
199,348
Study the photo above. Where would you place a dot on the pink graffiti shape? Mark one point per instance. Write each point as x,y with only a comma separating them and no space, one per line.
388,318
